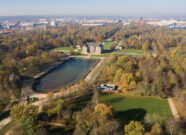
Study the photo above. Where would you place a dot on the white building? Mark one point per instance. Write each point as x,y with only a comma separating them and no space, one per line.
43,21
53,23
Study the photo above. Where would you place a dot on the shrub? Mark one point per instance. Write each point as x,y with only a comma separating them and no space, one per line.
134,128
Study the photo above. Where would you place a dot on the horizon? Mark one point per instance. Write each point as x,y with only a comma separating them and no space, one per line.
134,8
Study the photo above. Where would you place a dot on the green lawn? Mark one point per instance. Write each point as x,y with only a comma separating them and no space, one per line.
65,49
94,55
79,54
131,51
107,45
129,108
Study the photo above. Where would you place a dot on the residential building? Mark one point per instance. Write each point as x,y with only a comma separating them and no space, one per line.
93,48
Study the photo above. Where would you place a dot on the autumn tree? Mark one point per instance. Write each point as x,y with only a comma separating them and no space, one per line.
156,129
104,110
26,115
118,75
57,109
134,128
145,46
96,120
127,82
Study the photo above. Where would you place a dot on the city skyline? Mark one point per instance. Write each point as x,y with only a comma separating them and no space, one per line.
147,8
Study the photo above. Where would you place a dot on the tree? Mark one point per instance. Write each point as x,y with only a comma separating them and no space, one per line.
98,38
127,82
95,121
145,46
156,129
122,60
20,110
172,127
112,59
26,115
104,110
132,85
118,75
57,108
134,128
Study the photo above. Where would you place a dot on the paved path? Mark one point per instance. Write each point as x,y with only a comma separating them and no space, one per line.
4,122
173,109
91,77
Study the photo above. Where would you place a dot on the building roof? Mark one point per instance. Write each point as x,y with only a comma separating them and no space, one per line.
94,45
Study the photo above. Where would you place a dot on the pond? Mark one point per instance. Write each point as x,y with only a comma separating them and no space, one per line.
67,73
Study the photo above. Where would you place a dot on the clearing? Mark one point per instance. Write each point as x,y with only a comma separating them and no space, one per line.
107,45
131,51
129,108
64,49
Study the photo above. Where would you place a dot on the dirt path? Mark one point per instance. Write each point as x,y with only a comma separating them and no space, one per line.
4,122
173,109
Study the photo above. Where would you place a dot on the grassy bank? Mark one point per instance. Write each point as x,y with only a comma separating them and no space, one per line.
107,45
131,51
129,108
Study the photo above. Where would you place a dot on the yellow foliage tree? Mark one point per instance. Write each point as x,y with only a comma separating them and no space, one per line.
104,110
127,82
145,47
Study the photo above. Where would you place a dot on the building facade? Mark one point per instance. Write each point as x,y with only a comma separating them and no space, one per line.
92,48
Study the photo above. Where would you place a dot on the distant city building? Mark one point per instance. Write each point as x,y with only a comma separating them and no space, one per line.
53,23
92,24
1,27
40,26
26,24
125,24
93,48
162,22
43,21
177,27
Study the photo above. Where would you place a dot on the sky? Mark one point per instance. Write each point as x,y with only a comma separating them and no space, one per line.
93,7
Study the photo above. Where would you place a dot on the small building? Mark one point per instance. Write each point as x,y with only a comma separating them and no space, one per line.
78,46
119,47
92,48
108,88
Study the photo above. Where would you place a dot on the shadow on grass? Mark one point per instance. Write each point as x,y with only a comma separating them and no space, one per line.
133,114
111,101
108,51
79,104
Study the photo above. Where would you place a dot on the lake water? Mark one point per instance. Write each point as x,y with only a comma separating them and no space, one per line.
69,72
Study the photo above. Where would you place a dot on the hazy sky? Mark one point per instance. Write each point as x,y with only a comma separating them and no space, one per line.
94,7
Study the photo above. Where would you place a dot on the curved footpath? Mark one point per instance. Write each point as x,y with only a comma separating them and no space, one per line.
173,109
27,88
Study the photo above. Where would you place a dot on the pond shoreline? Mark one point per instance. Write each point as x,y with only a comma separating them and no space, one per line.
29,86
28,91
42,74
61,85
